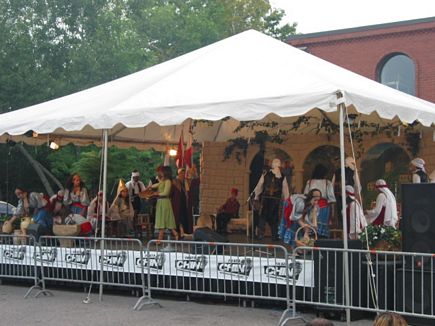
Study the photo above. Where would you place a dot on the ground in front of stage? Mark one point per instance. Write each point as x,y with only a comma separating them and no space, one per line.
66,308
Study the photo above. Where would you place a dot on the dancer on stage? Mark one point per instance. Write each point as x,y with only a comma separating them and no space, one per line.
33,204
135,186
385,211
122,210
418,171
319,181
76,195
356,220
164,215
95,211
299,211
227,211
272,187
181,205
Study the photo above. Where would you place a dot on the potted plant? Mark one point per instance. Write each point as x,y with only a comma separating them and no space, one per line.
380,237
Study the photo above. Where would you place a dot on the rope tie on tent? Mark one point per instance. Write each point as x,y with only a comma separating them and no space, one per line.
372,281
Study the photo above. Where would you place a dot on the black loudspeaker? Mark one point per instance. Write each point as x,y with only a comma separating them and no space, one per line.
37,230
418,217
207,235
415,290
329,276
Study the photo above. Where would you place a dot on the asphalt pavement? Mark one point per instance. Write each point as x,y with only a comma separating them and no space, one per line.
66,307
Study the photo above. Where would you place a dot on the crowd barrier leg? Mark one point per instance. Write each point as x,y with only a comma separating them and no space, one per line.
290,312
39,275
145,299
16,261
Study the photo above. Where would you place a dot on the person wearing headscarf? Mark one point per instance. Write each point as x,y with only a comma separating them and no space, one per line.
95,210
180,203
35,205
350,175
135,186
318,181
385,211
76,195
418,171
227,211
122,210
299,211
272,187
356,220
57,207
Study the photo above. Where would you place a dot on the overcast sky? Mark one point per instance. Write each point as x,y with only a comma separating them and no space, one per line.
324,15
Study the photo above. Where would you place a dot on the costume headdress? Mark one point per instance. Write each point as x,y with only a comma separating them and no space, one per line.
419,163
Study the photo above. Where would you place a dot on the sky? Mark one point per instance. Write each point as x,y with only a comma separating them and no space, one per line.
325,15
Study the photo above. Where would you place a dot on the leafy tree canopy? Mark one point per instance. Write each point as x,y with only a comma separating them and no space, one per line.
51,48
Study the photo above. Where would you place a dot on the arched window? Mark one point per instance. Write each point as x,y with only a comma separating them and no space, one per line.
398,72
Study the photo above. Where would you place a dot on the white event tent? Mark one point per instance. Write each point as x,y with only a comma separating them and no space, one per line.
245,77
249,76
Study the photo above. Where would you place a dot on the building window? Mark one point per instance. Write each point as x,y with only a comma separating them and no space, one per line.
398,71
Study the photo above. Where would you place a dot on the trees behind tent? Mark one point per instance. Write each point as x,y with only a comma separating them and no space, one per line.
57,47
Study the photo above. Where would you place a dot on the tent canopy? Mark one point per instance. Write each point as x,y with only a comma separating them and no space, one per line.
249,76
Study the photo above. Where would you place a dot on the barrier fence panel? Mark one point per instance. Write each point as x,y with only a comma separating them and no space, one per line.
379,281
16,261
99,261
244,271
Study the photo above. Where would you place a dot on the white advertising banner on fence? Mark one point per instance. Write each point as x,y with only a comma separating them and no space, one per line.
220,267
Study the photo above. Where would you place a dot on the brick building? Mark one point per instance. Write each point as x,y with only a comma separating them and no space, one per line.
367,51
400,55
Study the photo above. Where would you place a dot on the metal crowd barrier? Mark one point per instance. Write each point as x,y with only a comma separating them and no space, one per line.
246,271
94,261
379,281
17,261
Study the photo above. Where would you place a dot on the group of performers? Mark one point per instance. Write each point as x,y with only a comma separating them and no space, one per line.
171,201
314,208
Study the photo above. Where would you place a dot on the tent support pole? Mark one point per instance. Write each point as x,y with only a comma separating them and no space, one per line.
341,110
103,211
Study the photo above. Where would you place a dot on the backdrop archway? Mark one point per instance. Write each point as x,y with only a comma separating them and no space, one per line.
386,161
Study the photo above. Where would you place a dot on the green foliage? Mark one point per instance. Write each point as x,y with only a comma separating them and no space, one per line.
87,162
53,48
373,234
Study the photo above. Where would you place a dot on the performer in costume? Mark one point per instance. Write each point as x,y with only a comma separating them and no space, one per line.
227,211
152,202
33,204
192,187
418,171
135,186
272,186
76,195
385,211
319,181
356,220
57,208
164,215
180,203
299,211
95,211
122,210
